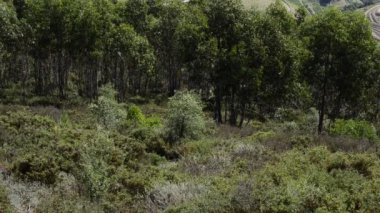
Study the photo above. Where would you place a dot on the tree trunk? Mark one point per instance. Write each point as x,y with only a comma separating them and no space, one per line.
322,107
61,76
218,105
233,115
242,115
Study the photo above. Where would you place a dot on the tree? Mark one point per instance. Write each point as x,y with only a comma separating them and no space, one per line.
197,50
10,34
163,37
301,14
342,53
136,13
224,18
281,58
46,19
20,6
132,60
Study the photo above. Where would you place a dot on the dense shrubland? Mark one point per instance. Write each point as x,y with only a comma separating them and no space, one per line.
166,106
72,161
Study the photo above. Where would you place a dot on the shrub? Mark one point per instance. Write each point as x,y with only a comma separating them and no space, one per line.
110,169
136,118
107,110
185,118
135,115
254,156
26,136
5,205
41,168
345,143
354,128
285,114
301,141
216,198
64,197
317,180
173,194
25,196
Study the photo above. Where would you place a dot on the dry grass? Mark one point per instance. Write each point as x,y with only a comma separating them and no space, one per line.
172,194
259,4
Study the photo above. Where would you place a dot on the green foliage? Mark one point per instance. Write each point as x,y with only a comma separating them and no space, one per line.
107,110
5,205
113,115
26,133
354,128
135,115
92,169
185,117
341,62
9,26
317,181
119,157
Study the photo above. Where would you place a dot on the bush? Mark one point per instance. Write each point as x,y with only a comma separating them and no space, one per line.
5,205
173,194
110,169
136,118
108,112
215,199
345,144
317,180
41,168
64,197
354,128
185,118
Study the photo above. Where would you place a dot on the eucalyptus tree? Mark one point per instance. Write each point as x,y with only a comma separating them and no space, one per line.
163,37
224,18
197,50
10,34
89,23
133,60
281,59
135,13
49,35
342,58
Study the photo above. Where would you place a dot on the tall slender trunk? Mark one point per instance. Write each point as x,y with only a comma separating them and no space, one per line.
218,105
61,76
322,107
242,115
38,77
225,109
233,115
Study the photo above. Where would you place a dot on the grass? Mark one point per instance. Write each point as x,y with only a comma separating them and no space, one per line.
259,4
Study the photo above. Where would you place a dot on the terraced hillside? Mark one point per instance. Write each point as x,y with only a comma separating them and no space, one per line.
312,6
373,14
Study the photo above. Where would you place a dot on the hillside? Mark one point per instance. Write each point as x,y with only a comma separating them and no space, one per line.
187,106
260,4
312,6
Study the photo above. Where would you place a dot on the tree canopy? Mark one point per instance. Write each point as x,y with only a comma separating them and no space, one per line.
244,63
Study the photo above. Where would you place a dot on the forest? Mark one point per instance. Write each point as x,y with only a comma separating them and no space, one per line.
187,106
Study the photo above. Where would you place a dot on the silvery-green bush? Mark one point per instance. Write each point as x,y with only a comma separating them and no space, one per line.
185,118
107,110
